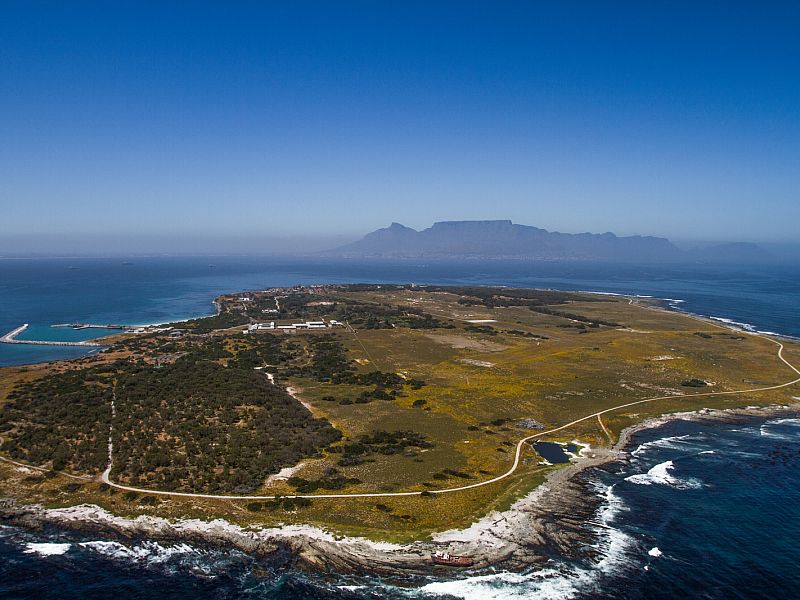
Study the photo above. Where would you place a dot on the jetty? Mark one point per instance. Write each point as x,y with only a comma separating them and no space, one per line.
11,338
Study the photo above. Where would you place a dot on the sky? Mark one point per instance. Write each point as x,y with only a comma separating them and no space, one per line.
260,125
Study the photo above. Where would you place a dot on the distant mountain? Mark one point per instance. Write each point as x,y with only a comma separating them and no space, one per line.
504,239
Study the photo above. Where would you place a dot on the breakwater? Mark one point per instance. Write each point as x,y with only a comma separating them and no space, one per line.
11,338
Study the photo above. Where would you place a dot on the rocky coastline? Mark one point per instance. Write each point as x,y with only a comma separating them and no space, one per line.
557,518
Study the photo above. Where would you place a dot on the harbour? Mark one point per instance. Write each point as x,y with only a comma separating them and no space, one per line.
11,338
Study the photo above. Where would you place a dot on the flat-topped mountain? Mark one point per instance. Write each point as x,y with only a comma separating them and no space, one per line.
504,239
496,239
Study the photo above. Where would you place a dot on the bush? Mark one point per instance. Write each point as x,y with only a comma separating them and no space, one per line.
695,383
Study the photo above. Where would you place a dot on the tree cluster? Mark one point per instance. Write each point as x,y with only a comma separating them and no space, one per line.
61,419
198,426
380,442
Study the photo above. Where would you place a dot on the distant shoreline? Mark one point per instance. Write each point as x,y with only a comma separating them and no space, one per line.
667,304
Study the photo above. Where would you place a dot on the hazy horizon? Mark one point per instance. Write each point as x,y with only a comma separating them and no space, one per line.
111,245
189,128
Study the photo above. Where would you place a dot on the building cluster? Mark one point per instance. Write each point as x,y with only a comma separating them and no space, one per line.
156,329
294,326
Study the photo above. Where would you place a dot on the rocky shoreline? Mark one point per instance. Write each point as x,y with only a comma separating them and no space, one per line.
554,519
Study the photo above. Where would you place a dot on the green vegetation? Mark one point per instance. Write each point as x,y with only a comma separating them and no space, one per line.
224,320
380,442
328,360
506,297
198,426
573,317
411,395
387,316
258,351
61,419
331,480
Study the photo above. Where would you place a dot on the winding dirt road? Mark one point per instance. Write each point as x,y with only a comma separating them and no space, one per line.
517,456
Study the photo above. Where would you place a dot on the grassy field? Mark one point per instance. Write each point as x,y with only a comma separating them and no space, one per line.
482,380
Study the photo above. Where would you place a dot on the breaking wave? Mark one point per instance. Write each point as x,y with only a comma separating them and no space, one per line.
660,474
673,442
748,327
46,548
152,552
617,551
769,428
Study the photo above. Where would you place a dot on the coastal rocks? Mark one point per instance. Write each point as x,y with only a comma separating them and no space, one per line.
94,519
522,536
559,518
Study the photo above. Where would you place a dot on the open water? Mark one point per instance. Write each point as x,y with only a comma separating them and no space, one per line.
701,510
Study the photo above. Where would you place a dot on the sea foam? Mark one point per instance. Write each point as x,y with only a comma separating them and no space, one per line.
667,442
660,474
792,425
46,548
152,552
560,580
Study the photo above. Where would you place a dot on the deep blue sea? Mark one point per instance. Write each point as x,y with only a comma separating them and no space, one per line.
701,510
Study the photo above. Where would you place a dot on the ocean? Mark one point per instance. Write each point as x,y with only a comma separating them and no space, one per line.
708,510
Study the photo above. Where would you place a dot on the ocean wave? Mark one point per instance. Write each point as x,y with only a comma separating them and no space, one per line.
654,552
613,544
790,421
748,327
545,584
151,552
46,548
672,442
739,324
560,580
350,588
660,474
793,426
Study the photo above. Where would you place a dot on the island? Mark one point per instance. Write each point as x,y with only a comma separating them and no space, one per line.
377,428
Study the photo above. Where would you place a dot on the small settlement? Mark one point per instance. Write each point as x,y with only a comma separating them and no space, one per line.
294,326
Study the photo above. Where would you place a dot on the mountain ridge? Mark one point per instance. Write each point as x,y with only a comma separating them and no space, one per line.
504,239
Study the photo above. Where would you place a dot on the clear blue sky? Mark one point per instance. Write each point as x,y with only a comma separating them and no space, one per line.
260,119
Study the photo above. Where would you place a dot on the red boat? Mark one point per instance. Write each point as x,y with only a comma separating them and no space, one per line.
452,560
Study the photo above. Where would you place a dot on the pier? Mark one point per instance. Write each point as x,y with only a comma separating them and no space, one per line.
11,338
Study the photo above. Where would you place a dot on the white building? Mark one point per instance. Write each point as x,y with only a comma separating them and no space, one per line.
258,326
